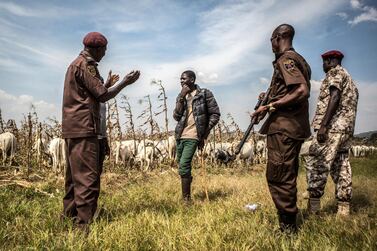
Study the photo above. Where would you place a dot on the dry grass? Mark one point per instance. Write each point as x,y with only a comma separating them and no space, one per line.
143,212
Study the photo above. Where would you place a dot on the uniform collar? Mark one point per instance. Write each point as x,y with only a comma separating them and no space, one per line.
88,57
338,67
277,56
198,89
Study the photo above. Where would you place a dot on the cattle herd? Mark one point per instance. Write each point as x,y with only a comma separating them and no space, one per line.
40,144
147,153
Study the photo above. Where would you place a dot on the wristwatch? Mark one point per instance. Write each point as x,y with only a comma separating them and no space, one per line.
271,108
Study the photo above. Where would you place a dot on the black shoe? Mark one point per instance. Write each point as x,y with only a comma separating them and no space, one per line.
288,223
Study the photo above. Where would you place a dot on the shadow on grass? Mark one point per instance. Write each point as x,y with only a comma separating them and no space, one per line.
359,202
213,194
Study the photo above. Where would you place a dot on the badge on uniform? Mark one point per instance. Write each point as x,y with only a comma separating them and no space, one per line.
289,64
92,70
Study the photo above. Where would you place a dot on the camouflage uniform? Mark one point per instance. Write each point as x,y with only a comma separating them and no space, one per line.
332,156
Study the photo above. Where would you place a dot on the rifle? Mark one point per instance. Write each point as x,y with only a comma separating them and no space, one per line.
224,156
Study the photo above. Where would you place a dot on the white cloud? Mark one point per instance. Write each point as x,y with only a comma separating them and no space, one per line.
207,78
264,81
232,45
366,119
16,9
14,107
342,15
129,26
368,13
54,58
315,85
356,4
41,11
233,40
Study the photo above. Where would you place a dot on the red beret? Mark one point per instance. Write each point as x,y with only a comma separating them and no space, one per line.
94,40
332,54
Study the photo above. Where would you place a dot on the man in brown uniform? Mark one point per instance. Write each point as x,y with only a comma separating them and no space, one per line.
83,92
287,125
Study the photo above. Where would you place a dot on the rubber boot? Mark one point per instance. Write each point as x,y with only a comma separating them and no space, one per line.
287,223
314,205
343,209
186,189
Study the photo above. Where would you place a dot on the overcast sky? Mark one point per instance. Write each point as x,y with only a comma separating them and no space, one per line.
225,42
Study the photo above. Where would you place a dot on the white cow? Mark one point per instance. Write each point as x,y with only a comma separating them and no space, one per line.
373,150
146,154
125,150
8,144
260,152
165,148
211,150
161,149
172,147
362,150
356,151
57,151
40,147
246,154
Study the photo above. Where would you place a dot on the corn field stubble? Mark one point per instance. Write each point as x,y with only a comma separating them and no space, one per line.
143,211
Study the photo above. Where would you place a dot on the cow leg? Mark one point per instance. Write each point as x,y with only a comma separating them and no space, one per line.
4,157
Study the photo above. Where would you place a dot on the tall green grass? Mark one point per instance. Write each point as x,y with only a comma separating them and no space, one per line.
144,212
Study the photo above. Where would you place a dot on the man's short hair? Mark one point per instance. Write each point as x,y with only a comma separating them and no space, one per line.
286,30
190,74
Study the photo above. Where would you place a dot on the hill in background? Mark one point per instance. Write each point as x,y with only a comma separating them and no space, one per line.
365,134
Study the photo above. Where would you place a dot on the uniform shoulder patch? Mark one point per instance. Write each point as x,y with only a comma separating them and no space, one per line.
92,70
289,64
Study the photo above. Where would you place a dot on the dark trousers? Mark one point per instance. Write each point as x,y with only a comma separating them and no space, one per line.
103,151
282,170
82,179
185,152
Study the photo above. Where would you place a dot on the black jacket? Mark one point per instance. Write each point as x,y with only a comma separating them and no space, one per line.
205,110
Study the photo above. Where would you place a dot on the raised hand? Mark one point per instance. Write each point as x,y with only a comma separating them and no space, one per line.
131,77
111,79
185,90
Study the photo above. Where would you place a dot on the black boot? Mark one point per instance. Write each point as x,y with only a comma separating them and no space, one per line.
186,188
287,223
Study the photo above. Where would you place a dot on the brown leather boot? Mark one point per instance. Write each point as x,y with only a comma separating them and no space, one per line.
343,209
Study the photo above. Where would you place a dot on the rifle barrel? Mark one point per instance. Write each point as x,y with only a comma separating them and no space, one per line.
253,121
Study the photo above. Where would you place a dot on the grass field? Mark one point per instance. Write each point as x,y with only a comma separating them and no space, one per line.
139,211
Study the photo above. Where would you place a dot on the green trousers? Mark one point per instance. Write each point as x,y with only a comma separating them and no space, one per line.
185,152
